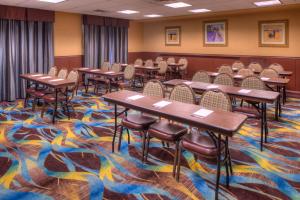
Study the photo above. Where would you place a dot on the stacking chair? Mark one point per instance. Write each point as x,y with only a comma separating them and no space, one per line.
224,79
171,60
277,67
128,79
162,72
245,72
269,73
96,81
183,70
116,67
205,143
52,71
170,71
64,96
140,122
201,76
105,66
168,131
149,63
225,69
138,62
63,73
238,65
158,59
255,67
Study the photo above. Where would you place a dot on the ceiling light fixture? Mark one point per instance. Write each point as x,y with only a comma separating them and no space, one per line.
128,12
203,10
267,3
153,15
52,1
178,5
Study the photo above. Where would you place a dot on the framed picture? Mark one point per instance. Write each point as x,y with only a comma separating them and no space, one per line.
274,33
173,36
215,33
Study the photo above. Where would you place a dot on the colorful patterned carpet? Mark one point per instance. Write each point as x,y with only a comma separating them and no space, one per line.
72,159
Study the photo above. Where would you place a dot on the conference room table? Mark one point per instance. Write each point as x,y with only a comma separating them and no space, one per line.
280,83
50,81
220,122
282,74
260,96
109,75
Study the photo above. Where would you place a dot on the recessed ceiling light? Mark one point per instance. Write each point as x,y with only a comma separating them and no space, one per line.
178,5
153,15
267,3
199,10
52,1
128,12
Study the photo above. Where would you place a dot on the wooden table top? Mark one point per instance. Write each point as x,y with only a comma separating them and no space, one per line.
253,95
50,81
175,65
275,81
153,68
100,72
282,73
223,122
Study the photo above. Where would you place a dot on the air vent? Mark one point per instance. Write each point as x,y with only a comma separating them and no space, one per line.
100,11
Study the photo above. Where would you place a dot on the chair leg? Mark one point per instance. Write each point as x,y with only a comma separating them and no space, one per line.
68,111
128,135
227,173
178,163
147,147
34,104
43,110
120,138
26,100
144,145
175,158
163,143
242,101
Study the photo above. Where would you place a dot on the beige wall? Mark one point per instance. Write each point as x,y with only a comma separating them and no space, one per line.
242,33
67,34
135,36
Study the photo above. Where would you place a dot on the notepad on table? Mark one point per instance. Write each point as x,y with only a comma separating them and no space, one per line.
135,97
55,80
234,69
36,75
45,77
110,72
244,91
95,70
264,78
215,74
212,87
188,82
161,104
238,76
202,113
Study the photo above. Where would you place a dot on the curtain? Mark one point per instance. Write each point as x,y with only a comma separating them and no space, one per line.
25,47
104,43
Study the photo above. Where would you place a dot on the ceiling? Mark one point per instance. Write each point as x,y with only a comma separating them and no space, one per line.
110,7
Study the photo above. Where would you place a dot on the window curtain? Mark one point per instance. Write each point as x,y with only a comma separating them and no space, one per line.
104,43
25,47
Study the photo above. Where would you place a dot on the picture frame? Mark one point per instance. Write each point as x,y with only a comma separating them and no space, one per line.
274,33
173,36
215,33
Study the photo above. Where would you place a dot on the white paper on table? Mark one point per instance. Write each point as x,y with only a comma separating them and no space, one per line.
135,97
95,70
161,104
212,87
45,77
84,68
234,69
238,76
215,74
202,112
110,72
244,91
264,78
36,75
136,65
55,80
188,82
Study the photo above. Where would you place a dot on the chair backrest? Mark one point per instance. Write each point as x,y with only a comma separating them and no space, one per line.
73,76
224,79
216,100
269,73
183,93
158,59
255,67
201,76
129,72
183,61
277,67
62,73
139,62
170,60
245,72
163,67
225,69
253,82
238,65
149,63
154,88
116,67
105,66
52,71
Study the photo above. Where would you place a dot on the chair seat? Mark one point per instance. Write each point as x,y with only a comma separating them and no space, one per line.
138,121
101,80
249,111
41,93
201,144
167,131
50,98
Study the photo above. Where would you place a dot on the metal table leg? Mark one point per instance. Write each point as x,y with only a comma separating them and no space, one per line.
218,167
55,106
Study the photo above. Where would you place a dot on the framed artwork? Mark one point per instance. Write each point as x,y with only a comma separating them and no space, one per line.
215,33
173,36
273,33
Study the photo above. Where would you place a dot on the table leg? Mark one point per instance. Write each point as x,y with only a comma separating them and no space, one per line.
284,95
262,122
266,123
218,167
55,106
116,127
83,81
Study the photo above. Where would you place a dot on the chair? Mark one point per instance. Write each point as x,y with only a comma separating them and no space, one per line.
201,76
245,72
205,144
105,66
224,79
140,122
158,59
64,98
238,65
138,62
63,73
171,60
225,69
116,67
183,69
168,131
269,73
52,71
255,67
127,80
277,67
149,63
162,72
